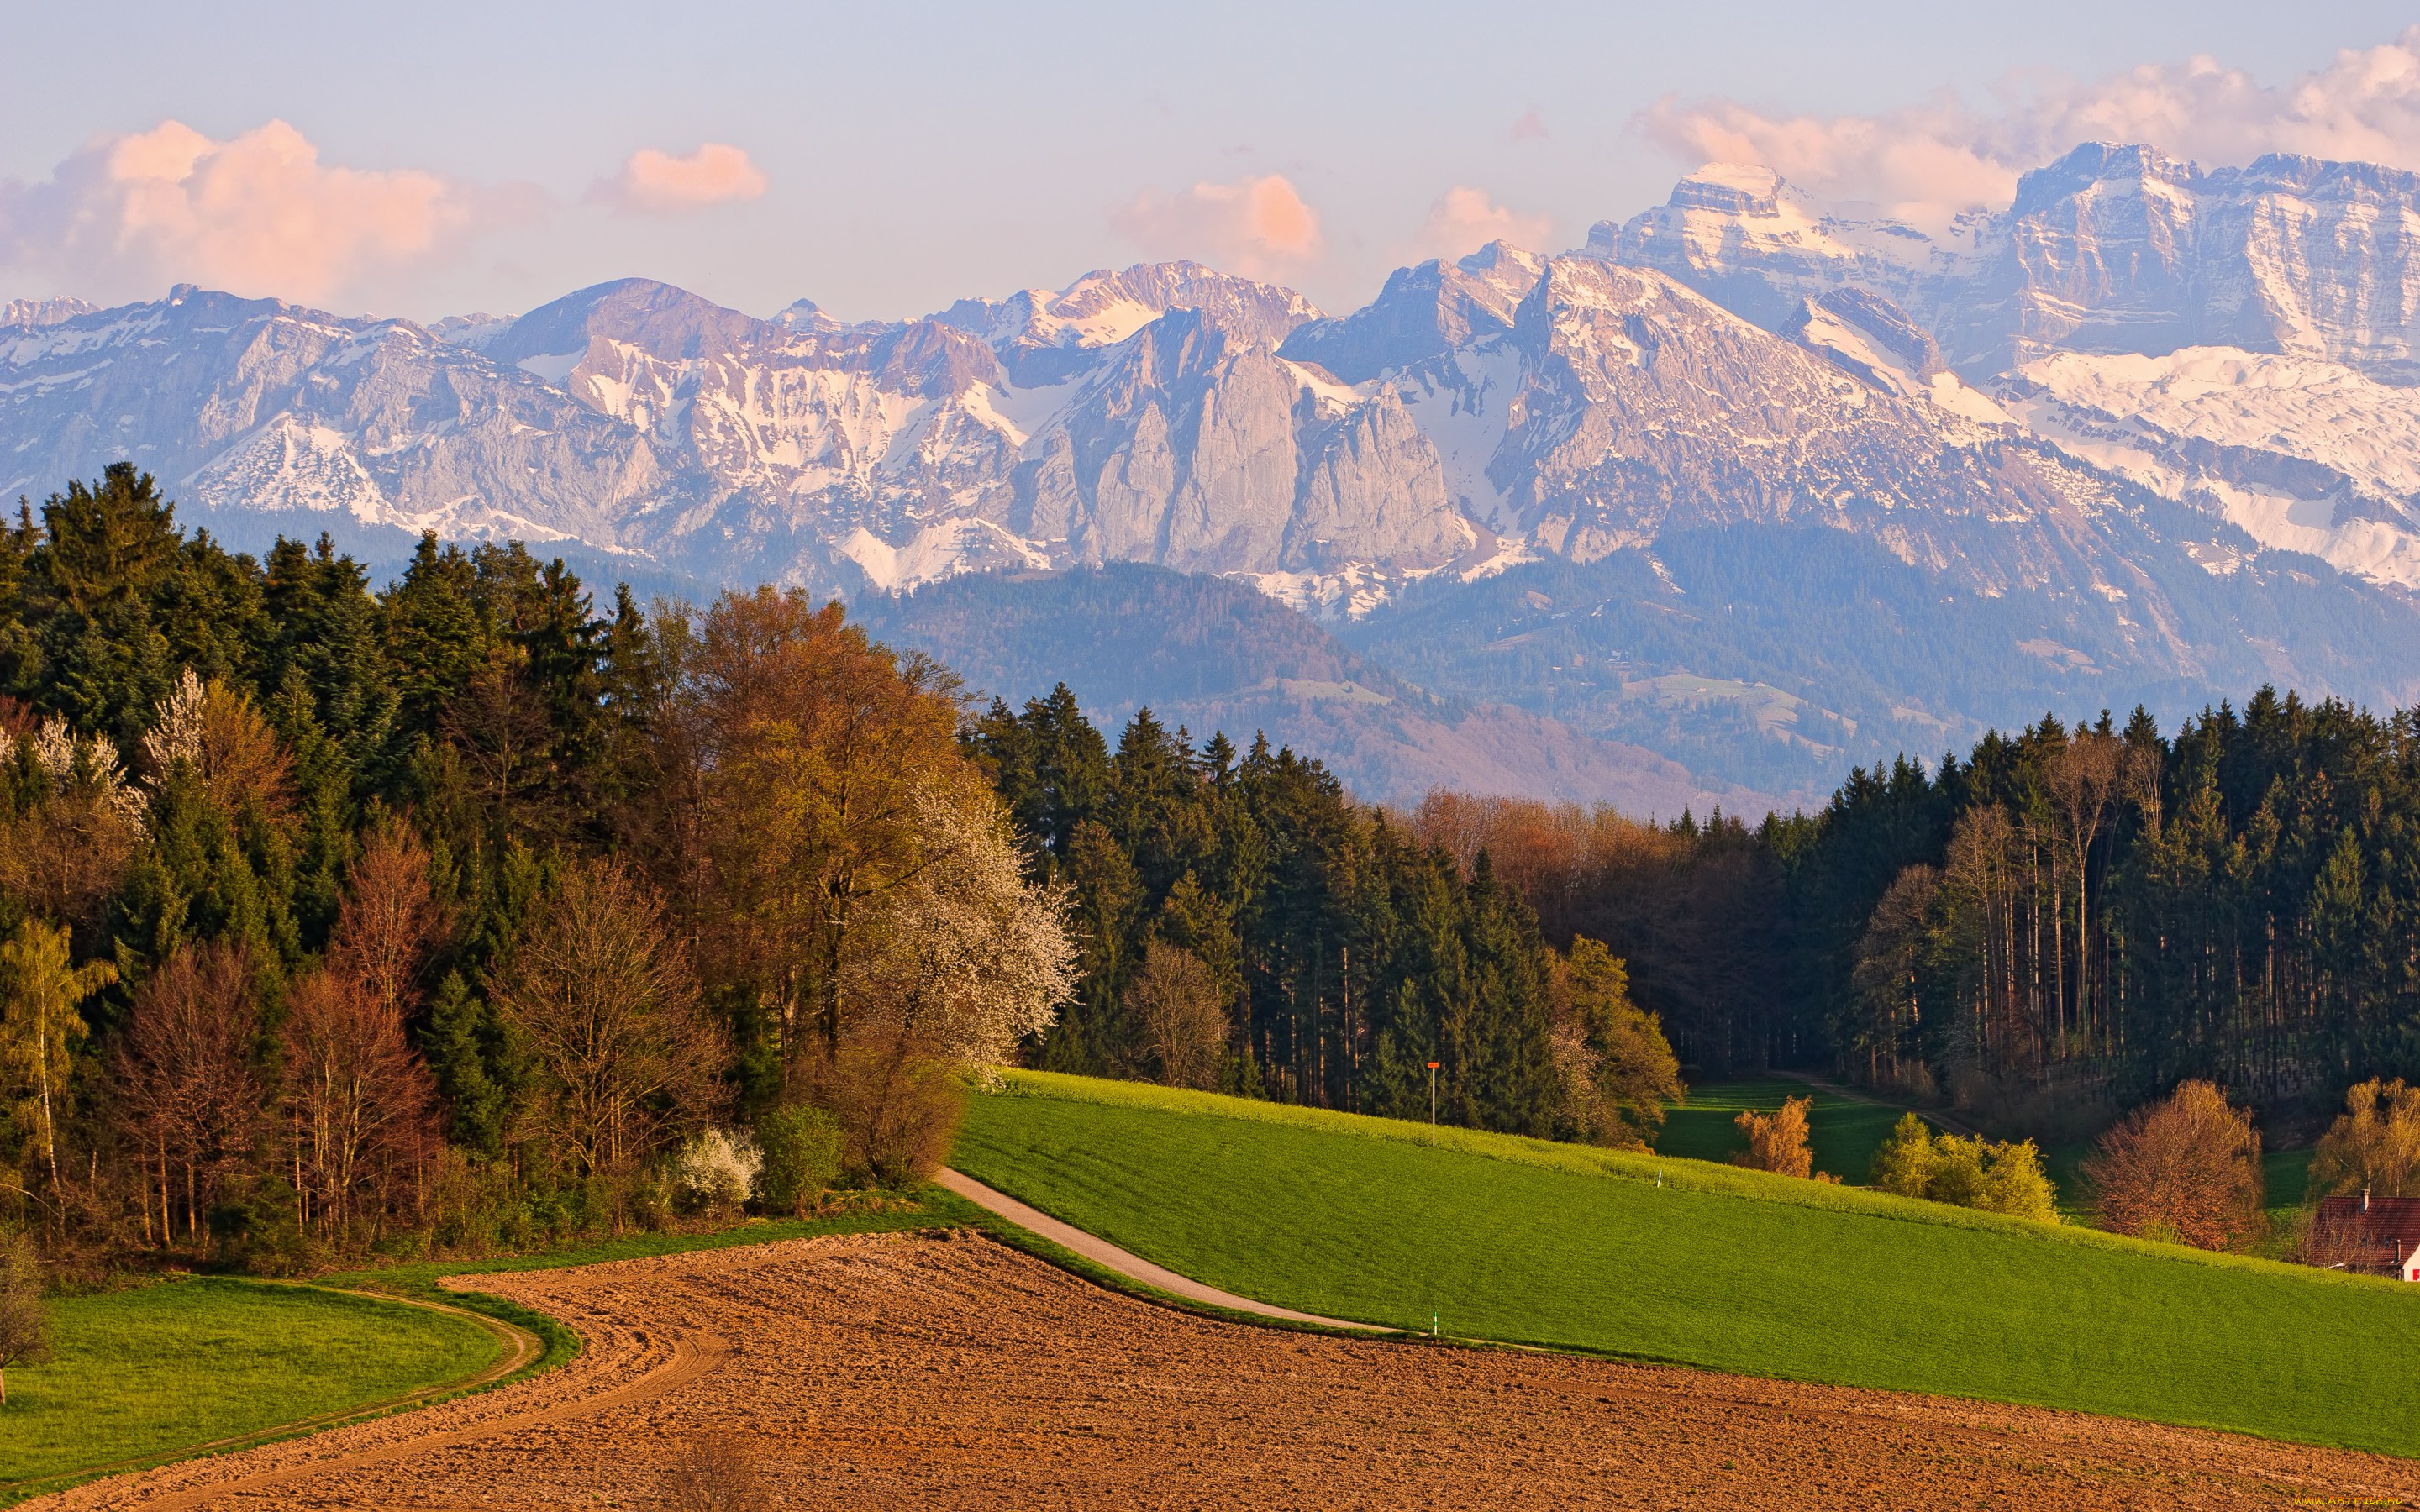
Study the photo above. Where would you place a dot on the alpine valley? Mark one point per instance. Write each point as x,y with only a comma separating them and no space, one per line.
1750,483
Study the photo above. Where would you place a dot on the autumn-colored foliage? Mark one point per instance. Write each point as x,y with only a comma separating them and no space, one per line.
1776,1141
1966,1171
2185,1168
2374,1146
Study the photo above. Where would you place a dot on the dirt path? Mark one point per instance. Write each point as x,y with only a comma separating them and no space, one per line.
1125,1262
908,1371
1956,1126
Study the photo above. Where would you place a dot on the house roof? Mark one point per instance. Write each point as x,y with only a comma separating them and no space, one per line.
2389,1220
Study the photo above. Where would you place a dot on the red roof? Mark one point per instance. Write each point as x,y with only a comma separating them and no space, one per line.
2388,1220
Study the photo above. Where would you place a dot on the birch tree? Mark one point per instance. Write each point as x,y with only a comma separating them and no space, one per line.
40,991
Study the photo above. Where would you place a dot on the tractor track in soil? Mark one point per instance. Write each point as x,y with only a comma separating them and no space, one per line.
948,1369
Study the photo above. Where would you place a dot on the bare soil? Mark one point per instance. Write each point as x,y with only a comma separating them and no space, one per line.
906,1370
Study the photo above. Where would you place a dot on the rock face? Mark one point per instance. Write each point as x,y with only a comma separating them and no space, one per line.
2143,418
2111,248
2278,303
1141,415
1423,313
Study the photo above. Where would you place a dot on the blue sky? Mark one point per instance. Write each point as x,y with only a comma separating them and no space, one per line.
912,155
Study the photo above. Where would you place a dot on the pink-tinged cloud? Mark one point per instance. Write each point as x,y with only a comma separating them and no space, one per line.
259,214
1532,126
657,184
1466,219
1257,227
1927,161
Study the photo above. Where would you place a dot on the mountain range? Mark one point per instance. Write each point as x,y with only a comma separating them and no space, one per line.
1758,482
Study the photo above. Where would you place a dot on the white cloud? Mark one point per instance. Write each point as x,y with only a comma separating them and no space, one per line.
657,183
1257,227
259,214
1466,219
1926,162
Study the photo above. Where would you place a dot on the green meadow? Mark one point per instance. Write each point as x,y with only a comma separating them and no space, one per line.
1842,1131
159,1368
1665,1257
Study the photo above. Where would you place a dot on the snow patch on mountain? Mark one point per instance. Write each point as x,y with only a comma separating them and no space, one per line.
2304,454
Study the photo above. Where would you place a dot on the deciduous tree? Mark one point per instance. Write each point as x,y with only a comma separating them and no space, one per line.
189,1088
1776,1141
2374,1145
609,1007
2186,1168
40,991
24,1323
1176,1006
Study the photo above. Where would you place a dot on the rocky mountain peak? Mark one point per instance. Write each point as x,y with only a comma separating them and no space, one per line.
1871,338
1423,312
667,322
50,312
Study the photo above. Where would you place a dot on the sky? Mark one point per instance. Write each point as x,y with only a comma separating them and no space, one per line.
437,157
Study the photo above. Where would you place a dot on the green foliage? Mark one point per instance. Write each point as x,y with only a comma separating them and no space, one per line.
1349,955
1727,1268
802,1147
1995,1175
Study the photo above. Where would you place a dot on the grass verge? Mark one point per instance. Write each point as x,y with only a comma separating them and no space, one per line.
1525,1241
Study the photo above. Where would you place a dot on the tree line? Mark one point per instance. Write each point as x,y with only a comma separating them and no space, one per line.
2064,923
463,910
456,912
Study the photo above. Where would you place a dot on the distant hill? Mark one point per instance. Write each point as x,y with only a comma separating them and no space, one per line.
1211,653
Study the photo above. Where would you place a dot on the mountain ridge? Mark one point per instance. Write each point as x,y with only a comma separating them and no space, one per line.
1744,358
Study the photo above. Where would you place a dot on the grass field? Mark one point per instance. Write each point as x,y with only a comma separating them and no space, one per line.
176,1363
1842,1131
152,1372
1515,1239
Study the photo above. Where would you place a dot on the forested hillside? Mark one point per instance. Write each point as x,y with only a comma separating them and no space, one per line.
2066,921
454,912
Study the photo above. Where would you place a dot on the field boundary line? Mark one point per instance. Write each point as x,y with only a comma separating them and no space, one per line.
1125,1262
521,1348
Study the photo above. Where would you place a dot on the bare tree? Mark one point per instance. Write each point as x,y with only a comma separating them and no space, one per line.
64,852
714,1473
24,1325
1175,999
609,1006
189,1091
391,920
2186,1168
359,1101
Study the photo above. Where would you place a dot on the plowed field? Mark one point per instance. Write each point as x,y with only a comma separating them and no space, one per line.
896,1372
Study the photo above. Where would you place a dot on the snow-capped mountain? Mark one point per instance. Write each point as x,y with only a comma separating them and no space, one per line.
2143,419
2111,248
2241,339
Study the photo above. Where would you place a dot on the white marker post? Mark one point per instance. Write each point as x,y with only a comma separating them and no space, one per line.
1433,1065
